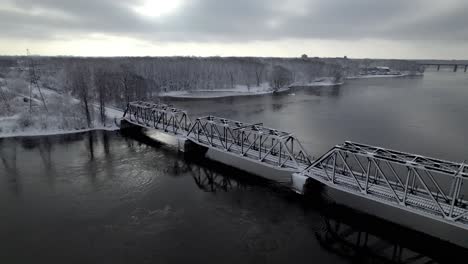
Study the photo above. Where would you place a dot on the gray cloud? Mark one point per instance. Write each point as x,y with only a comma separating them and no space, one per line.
239,20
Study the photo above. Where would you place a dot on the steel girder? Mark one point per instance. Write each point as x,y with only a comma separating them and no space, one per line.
158,116
413,182
251,141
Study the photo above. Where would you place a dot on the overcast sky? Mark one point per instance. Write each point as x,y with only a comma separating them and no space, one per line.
289,28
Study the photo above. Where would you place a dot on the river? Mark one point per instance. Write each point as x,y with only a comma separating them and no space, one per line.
103,197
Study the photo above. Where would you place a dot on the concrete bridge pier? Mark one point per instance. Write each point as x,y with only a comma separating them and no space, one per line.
455,68
438,67
189,148
299,182
128,127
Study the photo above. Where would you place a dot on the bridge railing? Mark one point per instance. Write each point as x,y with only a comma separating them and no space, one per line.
159,116
253,141
413,181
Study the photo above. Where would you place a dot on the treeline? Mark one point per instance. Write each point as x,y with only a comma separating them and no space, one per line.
116,81
125,79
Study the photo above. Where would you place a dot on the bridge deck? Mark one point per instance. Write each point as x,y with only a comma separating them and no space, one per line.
414,202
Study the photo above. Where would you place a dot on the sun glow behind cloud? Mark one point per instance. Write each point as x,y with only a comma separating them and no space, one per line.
157,8
363,28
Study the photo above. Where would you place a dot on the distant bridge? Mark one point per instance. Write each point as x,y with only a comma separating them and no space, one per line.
455,66
428,187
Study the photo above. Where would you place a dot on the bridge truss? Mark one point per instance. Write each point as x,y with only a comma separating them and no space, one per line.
158,116
415,183
431,187
251,141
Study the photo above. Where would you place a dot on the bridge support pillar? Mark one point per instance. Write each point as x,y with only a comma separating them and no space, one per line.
190,148
438,67
299,182
129,127
466,67
455,68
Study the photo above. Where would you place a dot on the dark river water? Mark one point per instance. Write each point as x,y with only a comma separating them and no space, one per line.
104,197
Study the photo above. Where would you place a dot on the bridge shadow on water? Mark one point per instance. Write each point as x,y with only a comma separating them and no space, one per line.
363,238
352,235
208,175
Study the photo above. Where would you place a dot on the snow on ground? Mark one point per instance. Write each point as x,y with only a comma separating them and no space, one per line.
113,113
62,117
238,90
377,76
38,132
325,81
242,90
11,126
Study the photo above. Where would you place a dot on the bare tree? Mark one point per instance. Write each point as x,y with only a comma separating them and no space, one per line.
80,86
259,69
3,95
34,78
280,77
101,83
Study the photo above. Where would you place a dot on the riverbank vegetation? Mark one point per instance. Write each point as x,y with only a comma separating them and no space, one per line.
69,93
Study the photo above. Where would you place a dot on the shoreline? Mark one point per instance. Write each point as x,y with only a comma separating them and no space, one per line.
46,133
380,76
241,91
228,93
237,93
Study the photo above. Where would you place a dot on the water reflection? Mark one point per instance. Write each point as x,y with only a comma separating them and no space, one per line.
8,155
320,91
362,246
45,151
91,146
147,177
105,141
347,233
361,238
212,180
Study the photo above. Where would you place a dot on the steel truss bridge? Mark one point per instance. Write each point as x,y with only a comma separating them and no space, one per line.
249,141
426,186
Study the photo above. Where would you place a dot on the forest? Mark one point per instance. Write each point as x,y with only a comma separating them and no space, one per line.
81,90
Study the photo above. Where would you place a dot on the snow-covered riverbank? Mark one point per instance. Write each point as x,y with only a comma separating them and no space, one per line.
239,90
39,133
62,115
380,76
11,126
325,81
